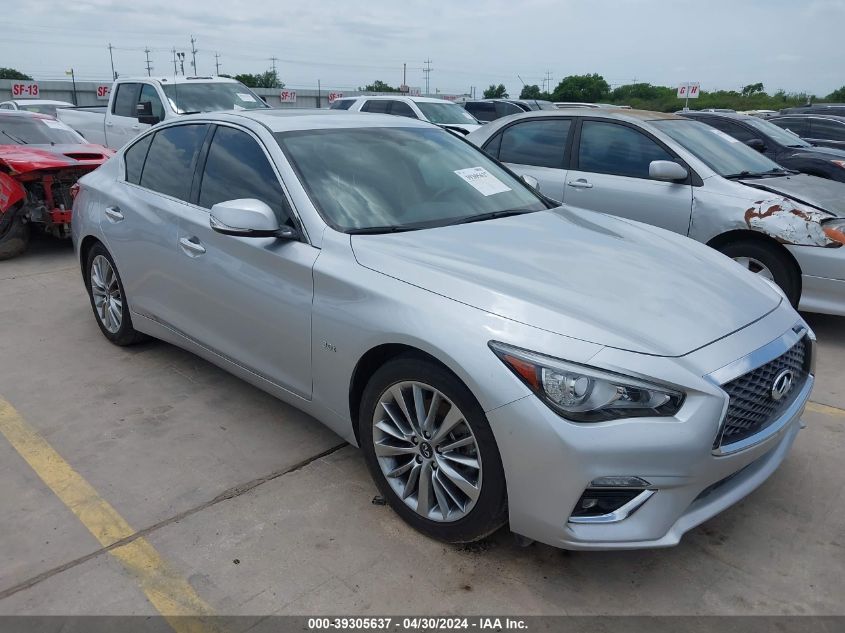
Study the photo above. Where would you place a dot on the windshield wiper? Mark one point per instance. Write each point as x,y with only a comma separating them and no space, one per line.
491,215
377,230
773,172
20,141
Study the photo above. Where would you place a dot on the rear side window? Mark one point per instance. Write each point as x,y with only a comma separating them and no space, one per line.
400,108
503,108
169,168
237,167
538,143
482,110
134,158
827,130
378,106
796,125
609,148
341,104
125,100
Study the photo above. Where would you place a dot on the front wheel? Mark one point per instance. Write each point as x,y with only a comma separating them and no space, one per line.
14,235
768,261
108,298
431,451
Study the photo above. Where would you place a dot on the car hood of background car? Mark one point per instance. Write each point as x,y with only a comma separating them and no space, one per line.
828,195
24,158
580,274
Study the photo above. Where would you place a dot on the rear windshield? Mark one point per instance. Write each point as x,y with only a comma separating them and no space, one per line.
25,130
40,108
211,97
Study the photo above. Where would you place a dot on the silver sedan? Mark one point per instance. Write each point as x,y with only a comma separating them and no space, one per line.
595,382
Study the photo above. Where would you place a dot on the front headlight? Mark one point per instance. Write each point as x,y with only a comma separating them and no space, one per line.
586,394
839,163
834,229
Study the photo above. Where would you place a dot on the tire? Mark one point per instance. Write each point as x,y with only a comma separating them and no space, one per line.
448,473
783,271
14,235
105,291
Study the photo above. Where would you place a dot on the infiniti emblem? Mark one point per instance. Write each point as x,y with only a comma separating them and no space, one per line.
782,384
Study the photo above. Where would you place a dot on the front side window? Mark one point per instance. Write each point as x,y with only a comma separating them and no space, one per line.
169,168
730,128
134,158
341,104
796,125
400,108
148,93
610,148
778,135
376,106
504,108
236,168
397,178
537,143
724,155
125,99
482,110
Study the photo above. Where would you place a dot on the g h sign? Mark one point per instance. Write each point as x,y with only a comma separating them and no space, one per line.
688,90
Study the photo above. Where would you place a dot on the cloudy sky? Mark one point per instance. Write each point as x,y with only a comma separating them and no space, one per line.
789,44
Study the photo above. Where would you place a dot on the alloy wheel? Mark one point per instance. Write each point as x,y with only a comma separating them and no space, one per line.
755,266
105,289
427,451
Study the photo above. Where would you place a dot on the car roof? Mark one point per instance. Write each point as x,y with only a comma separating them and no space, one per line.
620,114
287,119
181,79
406,97
24,114
39,102
738,116
808,115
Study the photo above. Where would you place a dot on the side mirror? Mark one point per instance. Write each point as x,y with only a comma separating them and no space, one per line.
531,181
144,111
248,217
756,143
667,171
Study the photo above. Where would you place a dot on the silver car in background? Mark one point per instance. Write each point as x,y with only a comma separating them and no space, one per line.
595,382
692,179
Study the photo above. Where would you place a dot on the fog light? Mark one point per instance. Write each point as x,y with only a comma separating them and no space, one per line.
619,482
598,502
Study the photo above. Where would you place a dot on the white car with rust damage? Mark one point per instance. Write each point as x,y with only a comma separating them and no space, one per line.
690,178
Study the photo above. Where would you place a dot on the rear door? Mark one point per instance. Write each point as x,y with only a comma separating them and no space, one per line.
122,118
246,299
609,173
538,148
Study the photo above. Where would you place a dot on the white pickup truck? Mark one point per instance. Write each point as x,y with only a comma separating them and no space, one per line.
137,103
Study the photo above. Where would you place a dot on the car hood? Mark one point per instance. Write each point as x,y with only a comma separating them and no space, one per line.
822,193
24,158
580,274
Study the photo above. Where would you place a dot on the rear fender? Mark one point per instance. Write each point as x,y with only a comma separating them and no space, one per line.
11,192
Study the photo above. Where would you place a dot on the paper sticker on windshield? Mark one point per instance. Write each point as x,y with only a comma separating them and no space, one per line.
245,97
485,182
56,125
727,137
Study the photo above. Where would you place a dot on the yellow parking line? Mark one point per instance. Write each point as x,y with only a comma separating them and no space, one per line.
169,593
816,407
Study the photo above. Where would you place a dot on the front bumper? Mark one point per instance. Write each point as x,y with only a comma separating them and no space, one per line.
549,462
822,278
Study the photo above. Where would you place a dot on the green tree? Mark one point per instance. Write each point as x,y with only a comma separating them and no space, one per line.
379,86
752,89
496,92
837,95
267,79
582,88
531,92
11,73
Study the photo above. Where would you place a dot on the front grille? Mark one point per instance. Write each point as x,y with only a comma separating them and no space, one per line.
752,407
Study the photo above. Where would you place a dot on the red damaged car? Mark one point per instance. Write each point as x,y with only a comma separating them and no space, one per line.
40,161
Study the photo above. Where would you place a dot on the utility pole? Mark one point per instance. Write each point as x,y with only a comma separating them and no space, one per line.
274,60
427,71
149,66
193,55
319,95
217,62
404,74
547,82
175,70
181,57
111,59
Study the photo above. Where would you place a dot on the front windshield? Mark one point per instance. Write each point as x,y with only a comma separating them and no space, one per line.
400,178
779,135
39,108
25,130
446,113
211,97
722,153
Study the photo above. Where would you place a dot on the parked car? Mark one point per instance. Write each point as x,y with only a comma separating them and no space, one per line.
137,103
563,105
693,179
782,146
40,161
819,129
314,256
39,106
438,111
491,109
834,109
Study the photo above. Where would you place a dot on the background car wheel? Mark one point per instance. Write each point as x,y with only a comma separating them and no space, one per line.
14,235
767,260
431,452
108,299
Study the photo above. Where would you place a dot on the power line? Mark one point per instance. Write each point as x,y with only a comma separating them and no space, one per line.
274,60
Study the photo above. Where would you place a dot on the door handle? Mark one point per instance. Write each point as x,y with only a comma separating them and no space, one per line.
580,184
191,246
109,124
137,126
114,214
